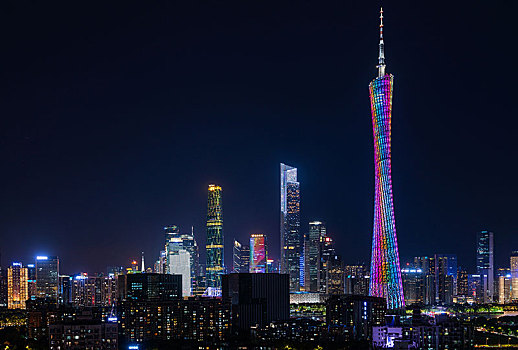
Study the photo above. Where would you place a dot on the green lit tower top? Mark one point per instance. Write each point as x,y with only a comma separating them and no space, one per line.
215,245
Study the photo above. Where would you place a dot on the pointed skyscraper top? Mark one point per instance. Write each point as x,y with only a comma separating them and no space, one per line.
381,55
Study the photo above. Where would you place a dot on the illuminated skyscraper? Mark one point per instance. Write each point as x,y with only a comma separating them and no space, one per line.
385,269
291,240
17,288
514,275
258,253
31,279
215,264
240,258
47,277
312,256
327,252
172,243
485,263
182,256
445,278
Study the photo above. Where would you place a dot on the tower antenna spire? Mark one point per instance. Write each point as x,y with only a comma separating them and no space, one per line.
381,55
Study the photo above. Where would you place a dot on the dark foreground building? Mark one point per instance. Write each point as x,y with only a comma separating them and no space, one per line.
149,287
351,317
257,298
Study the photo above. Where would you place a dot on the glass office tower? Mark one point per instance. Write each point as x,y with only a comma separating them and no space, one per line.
47,277
291,240
312,256
485,264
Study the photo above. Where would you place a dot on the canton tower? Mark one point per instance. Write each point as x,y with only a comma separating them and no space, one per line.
385,278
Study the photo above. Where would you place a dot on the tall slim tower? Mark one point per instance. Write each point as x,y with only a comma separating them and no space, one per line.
291,240
214,238
485,263
312,253
514,275
385,269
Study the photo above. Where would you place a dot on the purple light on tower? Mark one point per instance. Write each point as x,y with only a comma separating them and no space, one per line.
385,278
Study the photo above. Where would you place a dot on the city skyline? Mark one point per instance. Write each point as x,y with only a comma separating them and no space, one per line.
72,185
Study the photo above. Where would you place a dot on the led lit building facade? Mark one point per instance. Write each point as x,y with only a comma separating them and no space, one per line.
258,253
215,242
385,279
17,287
485,263
47,277
291,239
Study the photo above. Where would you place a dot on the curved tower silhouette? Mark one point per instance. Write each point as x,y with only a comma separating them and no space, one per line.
385,278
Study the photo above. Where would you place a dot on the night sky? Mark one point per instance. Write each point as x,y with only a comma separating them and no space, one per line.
117,115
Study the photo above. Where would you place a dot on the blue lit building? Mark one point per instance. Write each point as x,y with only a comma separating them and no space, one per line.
485,263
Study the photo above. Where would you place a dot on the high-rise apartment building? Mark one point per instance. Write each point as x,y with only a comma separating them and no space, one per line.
258,253
215,241
17,288
335,276
445,278
47,277
312,256
291,239
485,263
427,266
356,279
84,290
385,281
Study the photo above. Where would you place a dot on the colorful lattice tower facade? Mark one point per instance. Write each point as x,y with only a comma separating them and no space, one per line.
385,278
215,252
